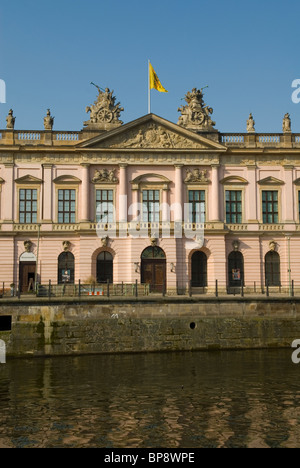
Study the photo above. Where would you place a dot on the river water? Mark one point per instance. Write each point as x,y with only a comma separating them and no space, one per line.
180,400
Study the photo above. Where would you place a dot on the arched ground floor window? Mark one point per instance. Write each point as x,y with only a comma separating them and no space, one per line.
154,268
105,267
66,268
272,268
235,269
199,269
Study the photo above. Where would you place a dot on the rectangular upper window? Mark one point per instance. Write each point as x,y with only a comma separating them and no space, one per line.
233,206
67,206
270,206
197,206
105,206
151,205
28,206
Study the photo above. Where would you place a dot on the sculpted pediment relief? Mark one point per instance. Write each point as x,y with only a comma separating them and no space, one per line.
152,132
152,136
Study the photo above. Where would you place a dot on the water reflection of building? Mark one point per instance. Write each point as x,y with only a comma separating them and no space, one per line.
177,400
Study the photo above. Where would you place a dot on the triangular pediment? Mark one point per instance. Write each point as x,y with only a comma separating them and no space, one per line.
28,179
271,181
152,132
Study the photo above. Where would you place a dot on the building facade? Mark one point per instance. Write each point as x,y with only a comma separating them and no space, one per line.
170,205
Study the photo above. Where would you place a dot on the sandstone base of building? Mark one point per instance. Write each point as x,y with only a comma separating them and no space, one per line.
87,328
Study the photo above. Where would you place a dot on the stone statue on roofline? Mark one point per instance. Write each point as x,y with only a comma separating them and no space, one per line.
105,112
48,121
286,124
251,124
10,120
196,114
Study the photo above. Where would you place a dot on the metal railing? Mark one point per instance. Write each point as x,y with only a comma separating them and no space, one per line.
93,290
188,288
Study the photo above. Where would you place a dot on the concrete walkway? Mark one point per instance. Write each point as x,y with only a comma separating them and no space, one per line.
28,299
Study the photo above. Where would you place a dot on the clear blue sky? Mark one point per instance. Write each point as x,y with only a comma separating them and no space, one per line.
248,52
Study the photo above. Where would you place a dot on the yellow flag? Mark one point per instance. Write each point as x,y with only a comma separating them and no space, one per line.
154,81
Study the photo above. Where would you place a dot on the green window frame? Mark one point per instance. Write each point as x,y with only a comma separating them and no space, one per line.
105,206
234,208
197,208
270,206
28,206
151,206
66,206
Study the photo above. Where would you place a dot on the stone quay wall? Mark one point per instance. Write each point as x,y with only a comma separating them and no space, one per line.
43,328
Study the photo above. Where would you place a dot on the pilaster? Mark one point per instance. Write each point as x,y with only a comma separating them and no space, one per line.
8,193
85,193
215,194
123,194
48,193
251,196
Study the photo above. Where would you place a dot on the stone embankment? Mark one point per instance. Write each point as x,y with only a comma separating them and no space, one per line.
43,328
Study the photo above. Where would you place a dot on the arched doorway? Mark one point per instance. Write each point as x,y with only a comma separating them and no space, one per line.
66,268
272,269
27,272
154,268
199,270
235,269
105,267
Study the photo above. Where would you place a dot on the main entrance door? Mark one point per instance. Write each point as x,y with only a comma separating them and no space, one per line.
27,276
153,269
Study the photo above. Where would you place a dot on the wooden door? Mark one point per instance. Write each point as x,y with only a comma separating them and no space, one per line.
148,273
27,276
159,275
154,273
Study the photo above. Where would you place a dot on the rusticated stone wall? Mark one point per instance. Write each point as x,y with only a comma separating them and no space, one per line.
44,329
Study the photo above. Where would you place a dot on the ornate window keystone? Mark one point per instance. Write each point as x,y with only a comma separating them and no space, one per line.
28,246
105,176
196,176
66,245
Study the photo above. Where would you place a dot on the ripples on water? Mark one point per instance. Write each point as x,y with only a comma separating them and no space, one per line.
185,400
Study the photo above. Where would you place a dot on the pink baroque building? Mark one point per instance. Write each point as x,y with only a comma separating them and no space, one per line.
169,205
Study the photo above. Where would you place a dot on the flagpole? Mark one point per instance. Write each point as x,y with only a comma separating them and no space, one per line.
149,95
